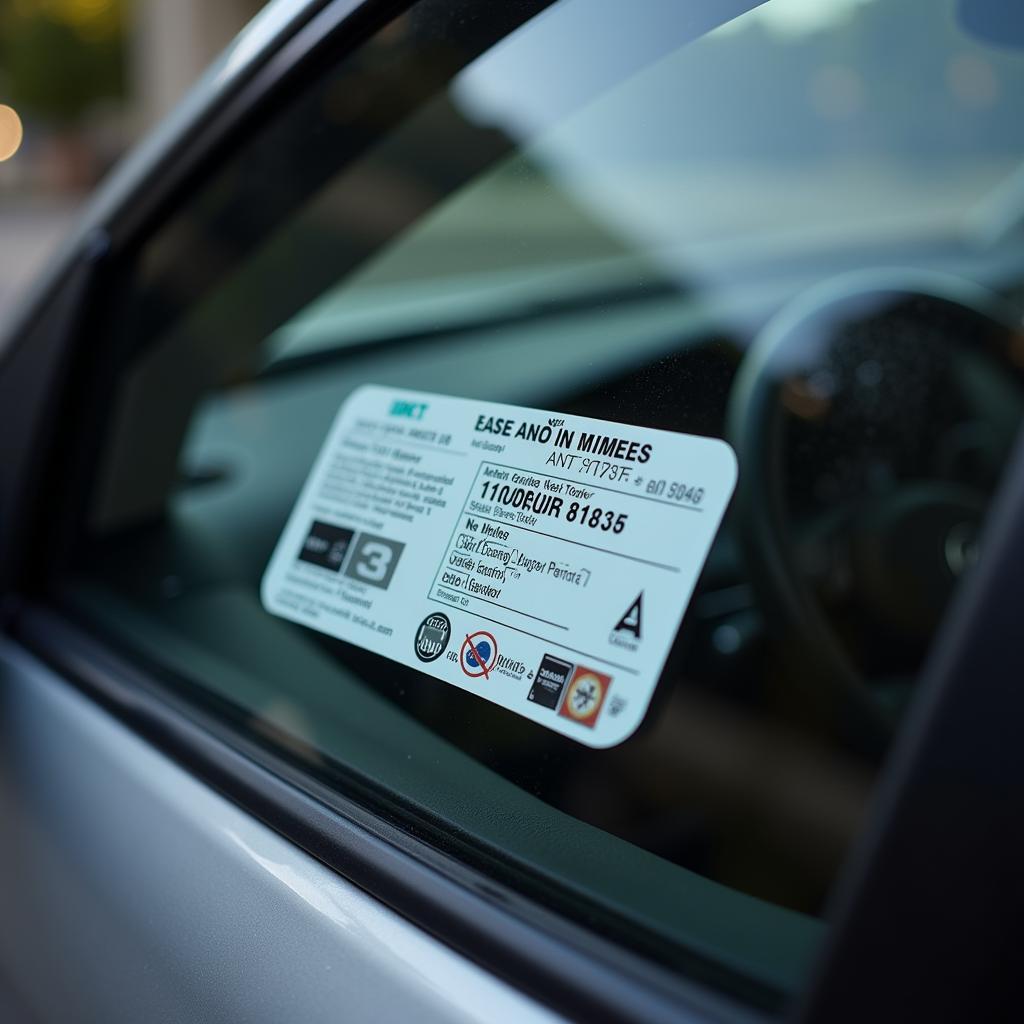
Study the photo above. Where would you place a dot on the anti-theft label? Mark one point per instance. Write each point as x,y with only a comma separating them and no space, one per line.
539,560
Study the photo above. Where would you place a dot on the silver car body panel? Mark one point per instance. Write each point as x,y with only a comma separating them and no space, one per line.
133,892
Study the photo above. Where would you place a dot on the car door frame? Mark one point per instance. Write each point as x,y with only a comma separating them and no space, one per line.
955,756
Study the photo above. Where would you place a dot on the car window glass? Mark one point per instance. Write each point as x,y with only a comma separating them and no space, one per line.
766,230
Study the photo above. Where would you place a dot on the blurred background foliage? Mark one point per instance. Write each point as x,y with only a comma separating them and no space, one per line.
59,58
82,80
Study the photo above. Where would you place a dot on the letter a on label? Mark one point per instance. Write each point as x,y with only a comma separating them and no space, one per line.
630,622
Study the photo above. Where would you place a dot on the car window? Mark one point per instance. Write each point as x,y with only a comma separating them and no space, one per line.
797,232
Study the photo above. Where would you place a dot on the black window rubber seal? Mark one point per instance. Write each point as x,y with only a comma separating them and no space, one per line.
559,963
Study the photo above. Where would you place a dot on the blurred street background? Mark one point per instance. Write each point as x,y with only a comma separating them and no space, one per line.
80,81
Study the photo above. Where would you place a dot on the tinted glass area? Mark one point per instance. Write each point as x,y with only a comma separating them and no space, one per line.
799,230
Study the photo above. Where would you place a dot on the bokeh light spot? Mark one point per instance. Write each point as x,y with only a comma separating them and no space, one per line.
10,132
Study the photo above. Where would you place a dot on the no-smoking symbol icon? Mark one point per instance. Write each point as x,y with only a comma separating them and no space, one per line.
479,654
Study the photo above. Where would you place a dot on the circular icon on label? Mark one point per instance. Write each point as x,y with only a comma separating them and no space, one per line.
585,695
432,637
479,654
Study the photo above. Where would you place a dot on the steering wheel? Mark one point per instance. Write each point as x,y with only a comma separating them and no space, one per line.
839,416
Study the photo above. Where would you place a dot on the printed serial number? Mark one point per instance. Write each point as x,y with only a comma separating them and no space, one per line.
604,470
674,490
544,503
596,518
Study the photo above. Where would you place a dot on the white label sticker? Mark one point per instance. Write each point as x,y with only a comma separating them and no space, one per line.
538,560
